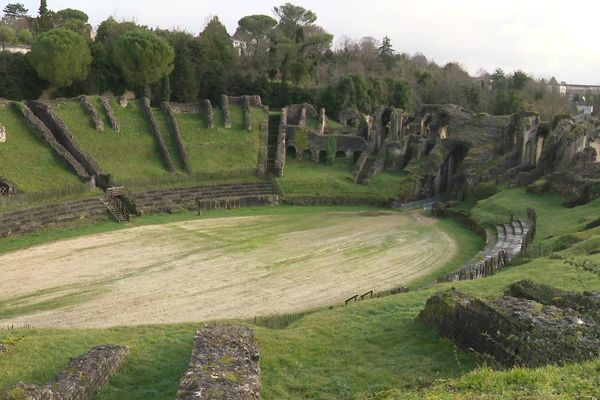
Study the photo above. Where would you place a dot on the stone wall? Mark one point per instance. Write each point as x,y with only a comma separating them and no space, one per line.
247,115
515,331
2,134
263,150
37,218
162,148
206,197
62,134
281,143
177,136
254,101
210,116
224,365
110,114
186,108
43,133
226,111
80,379
91,111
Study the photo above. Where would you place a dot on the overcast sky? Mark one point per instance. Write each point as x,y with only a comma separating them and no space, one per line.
543,38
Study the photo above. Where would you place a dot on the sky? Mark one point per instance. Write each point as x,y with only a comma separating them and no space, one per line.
543,38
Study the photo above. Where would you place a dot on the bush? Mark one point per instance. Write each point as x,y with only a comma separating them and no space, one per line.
483,190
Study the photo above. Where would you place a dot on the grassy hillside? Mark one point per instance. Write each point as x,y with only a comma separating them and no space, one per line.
27,161
220,150
127,154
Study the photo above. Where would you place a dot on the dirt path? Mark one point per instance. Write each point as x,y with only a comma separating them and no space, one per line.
216,268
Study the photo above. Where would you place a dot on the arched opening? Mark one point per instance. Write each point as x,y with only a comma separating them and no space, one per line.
291,151
306,155
340,155
323,156
425,129
5,189
527,155
444,132
353,123
356,156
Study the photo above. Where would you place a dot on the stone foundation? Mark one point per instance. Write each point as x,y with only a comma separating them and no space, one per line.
224,365
80,379
90,110
164,153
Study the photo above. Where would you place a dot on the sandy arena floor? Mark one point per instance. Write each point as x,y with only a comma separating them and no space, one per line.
216,268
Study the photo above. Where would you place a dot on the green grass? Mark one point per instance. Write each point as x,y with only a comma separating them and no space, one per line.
309,178
221,150
127,154
28,162
554,220
169,139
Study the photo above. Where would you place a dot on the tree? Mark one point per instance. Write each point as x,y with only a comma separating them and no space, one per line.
143,57
7,36
297,44
44,20
24,36
254,33
189,56
15,10
386,53
216,68
61,57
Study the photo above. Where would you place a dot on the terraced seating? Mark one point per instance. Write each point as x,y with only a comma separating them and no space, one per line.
207,197
509,244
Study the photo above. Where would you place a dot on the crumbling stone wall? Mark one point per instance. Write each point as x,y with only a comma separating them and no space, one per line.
91,111
186,108
110,114
514,331
226,111
80,379
263,149
123,102
224,365
176,136
295,113
162,148
62,134
44,134
281,143
2,134
254,101
247,115
210,116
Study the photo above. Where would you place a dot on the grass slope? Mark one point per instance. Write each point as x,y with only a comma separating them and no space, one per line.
131,153
309,178
219,150
28,162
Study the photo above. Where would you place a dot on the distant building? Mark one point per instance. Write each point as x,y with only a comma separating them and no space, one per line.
17,48
584,109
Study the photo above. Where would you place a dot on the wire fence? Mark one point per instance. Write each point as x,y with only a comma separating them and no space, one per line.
15,200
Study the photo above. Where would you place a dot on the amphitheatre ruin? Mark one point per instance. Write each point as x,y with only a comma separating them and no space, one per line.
374,247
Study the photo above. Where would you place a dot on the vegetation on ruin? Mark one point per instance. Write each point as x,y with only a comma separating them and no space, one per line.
28,162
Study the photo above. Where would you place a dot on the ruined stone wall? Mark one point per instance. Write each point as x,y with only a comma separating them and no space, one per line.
186,108
263,149
2,134
206,197
60,130
247,115
80,379
224,365
226,111
110,114
162,148
176,136
281,143
91,111
44,134
34,219
210,116
254,101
